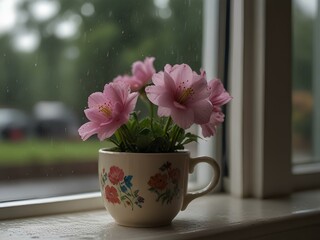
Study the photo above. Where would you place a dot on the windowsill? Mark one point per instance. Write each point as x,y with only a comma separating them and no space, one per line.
220,216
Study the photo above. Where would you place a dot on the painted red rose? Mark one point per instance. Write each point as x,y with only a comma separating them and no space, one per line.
174,175
158,181
115,175
112,195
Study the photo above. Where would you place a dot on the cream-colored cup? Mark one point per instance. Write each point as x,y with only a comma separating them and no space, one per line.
148,189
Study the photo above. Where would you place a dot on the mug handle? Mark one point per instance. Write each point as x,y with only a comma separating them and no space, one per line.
212,184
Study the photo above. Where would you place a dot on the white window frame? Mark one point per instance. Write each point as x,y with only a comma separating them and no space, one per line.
259,138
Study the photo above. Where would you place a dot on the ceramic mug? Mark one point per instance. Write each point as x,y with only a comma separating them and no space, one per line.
148,189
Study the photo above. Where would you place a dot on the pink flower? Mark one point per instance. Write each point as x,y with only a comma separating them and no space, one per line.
131,81
115,175
108,110
182,94
218,97
143,72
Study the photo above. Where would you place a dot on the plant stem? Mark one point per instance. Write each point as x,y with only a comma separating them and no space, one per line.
150,105
126,137
169,120
175,136
151,114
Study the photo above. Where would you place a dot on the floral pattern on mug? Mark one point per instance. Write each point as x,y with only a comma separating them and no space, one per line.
165,184
119,190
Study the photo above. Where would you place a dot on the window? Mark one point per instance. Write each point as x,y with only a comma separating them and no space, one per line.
305,115
305,95
55,54
260,133
261,79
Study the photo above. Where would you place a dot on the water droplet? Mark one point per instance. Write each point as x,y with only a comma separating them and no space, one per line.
122,32
108,54
110,13
36,64
88,73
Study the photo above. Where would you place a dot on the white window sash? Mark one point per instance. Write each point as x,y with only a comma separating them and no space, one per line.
259,139
260,113
209,147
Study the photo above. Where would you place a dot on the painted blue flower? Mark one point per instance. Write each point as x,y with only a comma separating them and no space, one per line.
127,181
123,188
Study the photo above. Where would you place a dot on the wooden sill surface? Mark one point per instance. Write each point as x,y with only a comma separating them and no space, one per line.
217,216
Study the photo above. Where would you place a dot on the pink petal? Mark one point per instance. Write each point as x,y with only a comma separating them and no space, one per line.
96,99
134,83
182,75
200,90
219,96
143,70
168,68
183,118
163,111
116,91
202,111
131,101
158,79
159,96
94,115
169,83
154,92
208,130
140,72
108,130
88,129
178,105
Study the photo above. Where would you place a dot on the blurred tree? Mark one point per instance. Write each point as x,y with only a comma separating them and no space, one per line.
105,43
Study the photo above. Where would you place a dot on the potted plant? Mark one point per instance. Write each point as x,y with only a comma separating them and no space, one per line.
144,177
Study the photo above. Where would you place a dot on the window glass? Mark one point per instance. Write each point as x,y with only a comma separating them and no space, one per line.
53,55
306,82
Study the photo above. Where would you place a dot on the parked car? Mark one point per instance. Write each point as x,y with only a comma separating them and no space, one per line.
14,124
54,119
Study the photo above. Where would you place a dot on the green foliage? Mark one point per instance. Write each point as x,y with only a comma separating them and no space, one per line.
149,136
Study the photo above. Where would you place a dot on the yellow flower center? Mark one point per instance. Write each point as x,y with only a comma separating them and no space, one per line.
105,109
185,94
